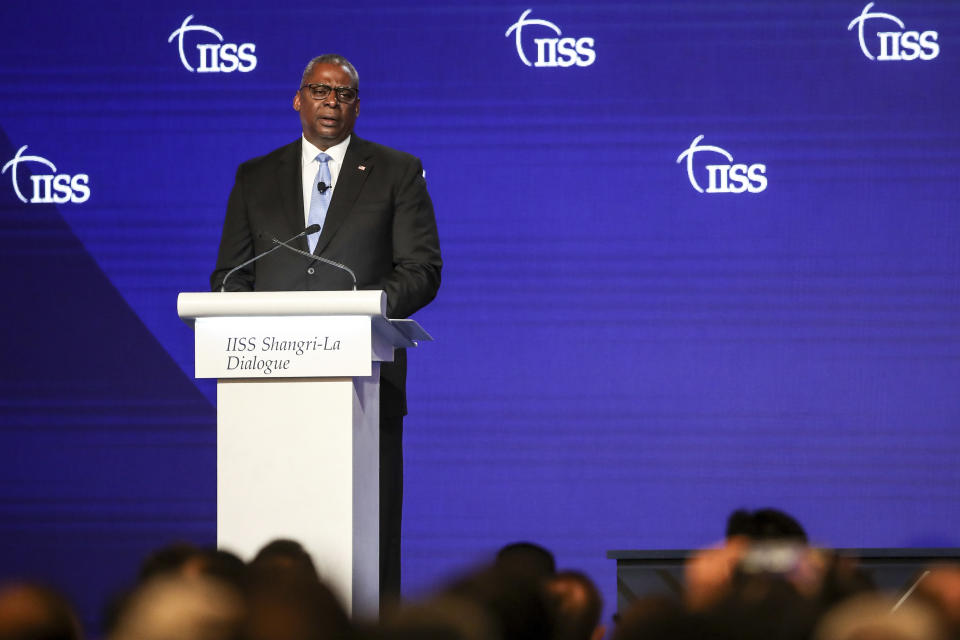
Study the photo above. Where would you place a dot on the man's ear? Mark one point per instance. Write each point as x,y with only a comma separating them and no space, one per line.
296,101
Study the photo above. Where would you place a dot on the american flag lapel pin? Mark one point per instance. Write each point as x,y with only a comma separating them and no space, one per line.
362,167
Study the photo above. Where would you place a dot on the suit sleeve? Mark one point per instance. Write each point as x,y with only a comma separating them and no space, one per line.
415,278
236,242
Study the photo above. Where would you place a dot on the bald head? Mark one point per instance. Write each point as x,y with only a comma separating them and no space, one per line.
576,605
181,607
36,612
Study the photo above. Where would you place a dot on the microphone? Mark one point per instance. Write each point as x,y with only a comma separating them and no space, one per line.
314,228
314,256
322,186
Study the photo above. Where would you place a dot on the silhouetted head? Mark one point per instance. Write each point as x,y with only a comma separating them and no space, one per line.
527,558
286,556
288,608
765,525
514,601
179,557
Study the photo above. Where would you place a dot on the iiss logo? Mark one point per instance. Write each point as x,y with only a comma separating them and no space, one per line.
215,57
894,45
728,177
552,52
53,187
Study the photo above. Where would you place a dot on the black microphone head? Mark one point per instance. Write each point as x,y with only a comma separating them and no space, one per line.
322,187
314,228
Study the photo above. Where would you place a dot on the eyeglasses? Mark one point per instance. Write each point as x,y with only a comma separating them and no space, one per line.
345,95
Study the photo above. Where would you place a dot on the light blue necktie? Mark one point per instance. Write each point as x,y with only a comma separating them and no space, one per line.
319,201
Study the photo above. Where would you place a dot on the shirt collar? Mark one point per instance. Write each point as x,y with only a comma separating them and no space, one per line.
337,151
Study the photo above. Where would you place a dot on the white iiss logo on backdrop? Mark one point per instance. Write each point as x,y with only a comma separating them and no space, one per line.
894,44
723,177
551,51
52,187
213,57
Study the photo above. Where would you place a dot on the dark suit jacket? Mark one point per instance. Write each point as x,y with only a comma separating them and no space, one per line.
380,223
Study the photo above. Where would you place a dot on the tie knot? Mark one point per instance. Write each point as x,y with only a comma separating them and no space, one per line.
322,158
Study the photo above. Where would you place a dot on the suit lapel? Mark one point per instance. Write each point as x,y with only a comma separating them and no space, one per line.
290,177
357,165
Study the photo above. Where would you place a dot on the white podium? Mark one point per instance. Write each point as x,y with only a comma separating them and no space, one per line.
298,423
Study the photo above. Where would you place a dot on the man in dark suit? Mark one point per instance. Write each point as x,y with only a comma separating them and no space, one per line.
376,218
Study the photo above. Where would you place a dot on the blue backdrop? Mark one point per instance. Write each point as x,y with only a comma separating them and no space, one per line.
698,256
